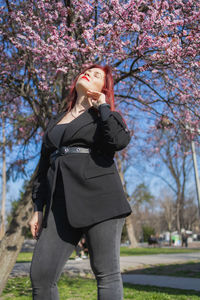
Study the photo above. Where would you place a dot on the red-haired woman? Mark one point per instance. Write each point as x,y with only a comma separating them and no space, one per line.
79,185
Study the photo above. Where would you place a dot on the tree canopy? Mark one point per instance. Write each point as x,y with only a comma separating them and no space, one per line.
152,46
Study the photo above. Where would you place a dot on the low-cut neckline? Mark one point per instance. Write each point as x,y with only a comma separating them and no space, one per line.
61,124
75,118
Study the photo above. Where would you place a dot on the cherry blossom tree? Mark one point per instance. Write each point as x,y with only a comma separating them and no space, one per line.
152,46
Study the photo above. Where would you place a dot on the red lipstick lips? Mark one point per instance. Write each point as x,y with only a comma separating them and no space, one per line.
85,78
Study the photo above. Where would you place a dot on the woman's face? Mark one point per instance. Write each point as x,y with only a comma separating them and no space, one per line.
92,79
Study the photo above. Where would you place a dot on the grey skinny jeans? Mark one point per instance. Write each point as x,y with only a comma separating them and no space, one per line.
57,242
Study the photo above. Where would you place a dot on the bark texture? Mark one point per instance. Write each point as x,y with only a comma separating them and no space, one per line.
14,237
129,220
131,232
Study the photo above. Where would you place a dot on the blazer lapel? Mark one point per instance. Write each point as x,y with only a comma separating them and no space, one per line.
89,116
86,118
51,124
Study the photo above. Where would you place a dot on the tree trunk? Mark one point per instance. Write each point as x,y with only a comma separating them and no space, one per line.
178,204
3,200
14,237
131,232
129,221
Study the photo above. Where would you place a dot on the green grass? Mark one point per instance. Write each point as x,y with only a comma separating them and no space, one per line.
24,257
81,288
125,251
189,269
27,257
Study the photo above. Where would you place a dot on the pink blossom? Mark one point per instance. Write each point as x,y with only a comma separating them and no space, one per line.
155,42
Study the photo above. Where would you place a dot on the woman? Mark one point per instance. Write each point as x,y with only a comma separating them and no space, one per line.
79,185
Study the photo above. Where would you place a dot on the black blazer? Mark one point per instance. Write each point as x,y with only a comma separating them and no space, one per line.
92,187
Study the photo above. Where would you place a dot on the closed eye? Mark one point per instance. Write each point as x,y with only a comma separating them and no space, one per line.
97,75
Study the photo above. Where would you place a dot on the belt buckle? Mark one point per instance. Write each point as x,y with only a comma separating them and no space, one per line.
66,150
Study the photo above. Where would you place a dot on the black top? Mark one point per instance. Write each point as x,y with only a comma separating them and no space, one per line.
56,134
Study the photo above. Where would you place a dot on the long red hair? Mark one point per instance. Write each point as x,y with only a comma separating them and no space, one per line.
107,88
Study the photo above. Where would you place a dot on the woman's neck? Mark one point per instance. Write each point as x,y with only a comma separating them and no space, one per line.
81,104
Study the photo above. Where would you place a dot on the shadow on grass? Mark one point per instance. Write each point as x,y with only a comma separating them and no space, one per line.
168,291
190,269
23,261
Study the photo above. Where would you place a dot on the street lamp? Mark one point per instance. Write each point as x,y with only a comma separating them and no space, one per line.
196,173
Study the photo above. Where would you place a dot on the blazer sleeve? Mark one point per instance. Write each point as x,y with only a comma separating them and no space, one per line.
39,190
116,135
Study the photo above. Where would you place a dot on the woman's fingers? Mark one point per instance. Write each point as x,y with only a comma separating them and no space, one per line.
33,227
35,224
95,95
37,231
33,232
97,98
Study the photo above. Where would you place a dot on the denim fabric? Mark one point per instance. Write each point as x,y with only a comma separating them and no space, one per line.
57,242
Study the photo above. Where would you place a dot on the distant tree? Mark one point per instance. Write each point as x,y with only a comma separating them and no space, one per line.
168,210
173,153
147,232
142,195
142,203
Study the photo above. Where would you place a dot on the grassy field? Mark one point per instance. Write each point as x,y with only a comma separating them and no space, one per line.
85,288
125,251
81,288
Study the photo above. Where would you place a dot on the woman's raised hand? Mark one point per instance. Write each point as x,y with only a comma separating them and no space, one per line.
96,98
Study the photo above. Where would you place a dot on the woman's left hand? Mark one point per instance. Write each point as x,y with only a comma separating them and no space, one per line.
96,98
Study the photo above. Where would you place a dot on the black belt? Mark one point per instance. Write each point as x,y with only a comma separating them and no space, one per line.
66,150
